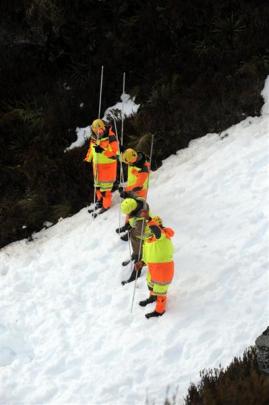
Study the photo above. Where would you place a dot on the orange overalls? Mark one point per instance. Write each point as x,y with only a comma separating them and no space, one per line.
104,165
138,177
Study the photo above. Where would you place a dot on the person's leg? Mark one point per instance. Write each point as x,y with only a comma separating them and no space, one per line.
107,199
152,297
161,292
135,236
99,195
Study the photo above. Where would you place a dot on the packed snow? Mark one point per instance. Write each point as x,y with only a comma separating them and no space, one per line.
67,335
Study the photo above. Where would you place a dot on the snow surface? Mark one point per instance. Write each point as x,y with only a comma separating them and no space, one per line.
67,335
124,108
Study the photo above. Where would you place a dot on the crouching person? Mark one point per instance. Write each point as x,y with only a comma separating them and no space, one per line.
134,209
158,256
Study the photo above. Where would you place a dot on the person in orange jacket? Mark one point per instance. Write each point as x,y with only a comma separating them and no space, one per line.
158,255
137,179
138,173
102,152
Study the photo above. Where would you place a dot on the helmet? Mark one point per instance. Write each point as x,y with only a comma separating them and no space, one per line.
158,221
98,126
129,156
128,205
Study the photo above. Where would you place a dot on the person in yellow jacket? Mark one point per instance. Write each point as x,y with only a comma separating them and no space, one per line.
102,152
158,255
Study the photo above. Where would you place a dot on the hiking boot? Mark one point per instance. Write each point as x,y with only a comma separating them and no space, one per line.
153,314
126,262
132,277
125,237
122,228
149,300
98,205
97,213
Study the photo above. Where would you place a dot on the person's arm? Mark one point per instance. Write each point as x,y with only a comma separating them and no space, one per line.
89,155
113,148
141,177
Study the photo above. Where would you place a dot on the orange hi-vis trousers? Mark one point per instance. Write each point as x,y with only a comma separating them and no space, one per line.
159,277
105,197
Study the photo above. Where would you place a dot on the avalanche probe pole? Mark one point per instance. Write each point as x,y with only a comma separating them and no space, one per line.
99,113
117,137
142,230
101,89
122,108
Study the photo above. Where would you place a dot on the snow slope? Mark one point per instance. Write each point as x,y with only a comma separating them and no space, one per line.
66,332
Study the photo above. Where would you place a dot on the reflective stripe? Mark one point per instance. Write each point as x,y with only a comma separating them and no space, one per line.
104,187
159,282
160,289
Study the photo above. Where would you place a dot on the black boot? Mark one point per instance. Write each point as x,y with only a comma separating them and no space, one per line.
153,314
98,205
122,228
102,210
149,300
126,262
132,277
125,237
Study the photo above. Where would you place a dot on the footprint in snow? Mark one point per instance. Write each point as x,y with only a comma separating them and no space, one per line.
173,354
4,270
12,345
7,356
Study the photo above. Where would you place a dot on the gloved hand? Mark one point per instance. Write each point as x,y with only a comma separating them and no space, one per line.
124,194
120,188
156,231
98,149
138,265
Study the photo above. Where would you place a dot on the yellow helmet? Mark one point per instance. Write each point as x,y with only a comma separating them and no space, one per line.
98,126
128,205
157,220
129,156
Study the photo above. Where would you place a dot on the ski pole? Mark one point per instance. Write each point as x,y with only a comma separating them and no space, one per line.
117,137
142,230
122,108
100,93
139,253
99,113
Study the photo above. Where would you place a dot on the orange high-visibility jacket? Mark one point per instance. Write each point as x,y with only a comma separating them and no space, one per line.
138,176
158,254
105,162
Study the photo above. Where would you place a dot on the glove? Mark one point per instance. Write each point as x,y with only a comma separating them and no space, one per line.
98,149
124,194
156,231
138,265
120,188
